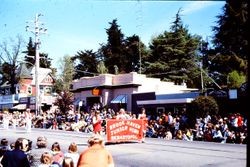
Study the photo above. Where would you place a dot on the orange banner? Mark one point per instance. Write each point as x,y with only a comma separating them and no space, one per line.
124,130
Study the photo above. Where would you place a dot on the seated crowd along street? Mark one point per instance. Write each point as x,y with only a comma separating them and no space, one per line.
231,128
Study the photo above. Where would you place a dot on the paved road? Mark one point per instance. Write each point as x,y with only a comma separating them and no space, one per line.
155,152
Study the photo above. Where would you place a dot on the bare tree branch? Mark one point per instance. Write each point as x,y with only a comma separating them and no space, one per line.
11,50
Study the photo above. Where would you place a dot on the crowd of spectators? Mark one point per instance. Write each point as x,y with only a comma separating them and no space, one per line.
211,128
231,128
20,153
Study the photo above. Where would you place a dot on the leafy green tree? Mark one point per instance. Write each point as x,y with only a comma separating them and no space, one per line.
135,51
222,65
5,68
64,101
10,54
30,53
231,32
63,84
203,105
45,61
67,73
113,51
119,55
230,41
174,54
58,85
235,79
86,63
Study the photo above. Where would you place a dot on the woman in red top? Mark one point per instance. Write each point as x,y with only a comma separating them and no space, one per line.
143,116
97,122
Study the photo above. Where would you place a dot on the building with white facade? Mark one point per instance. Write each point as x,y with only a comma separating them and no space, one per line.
130,91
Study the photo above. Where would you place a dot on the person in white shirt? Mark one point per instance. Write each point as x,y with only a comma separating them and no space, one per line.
73,153
217,135
28,118
6,120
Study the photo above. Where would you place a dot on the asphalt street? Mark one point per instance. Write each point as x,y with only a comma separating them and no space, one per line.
152,153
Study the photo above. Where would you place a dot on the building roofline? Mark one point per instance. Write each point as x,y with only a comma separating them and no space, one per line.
106,87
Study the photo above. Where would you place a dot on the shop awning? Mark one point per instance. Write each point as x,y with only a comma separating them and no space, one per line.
20,107
120,99
165,101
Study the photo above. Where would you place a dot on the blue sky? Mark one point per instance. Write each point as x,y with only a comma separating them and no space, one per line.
75,25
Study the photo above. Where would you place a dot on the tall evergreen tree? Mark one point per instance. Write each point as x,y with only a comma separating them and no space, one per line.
122,54
231,41
174,54
135,52
86,63
231,32
45,61
113,51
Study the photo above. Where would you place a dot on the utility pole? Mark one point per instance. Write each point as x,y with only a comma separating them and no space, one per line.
202,83
139,12
37,31
139,50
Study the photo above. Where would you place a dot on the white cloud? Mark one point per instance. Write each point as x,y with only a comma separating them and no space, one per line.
194,6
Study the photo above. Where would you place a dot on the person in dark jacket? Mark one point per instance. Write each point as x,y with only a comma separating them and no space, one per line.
17,156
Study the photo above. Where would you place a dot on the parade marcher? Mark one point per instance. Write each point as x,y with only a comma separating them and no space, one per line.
122,114
28,118
97,122
96,149
143,117
17,157
6,120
